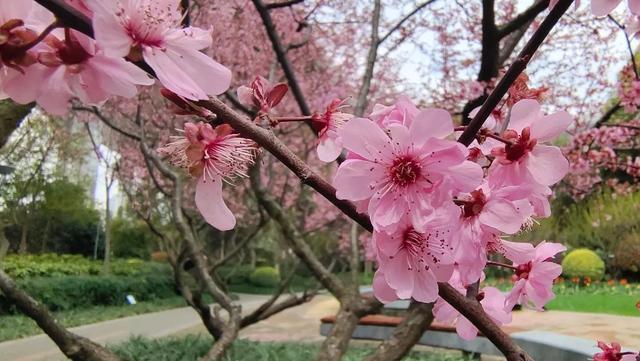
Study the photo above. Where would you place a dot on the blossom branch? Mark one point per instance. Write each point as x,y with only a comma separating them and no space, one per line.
514,71
472,310
283,4
629,47
363,92
403,20
75,347
281,55
523,18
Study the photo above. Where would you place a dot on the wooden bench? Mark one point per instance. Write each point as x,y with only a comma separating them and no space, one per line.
541,345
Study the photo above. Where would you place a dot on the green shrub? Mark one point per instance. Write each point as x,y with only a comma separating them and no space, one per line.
265,277
627,254
71,292
193,347
130,238
54,265
236,275
583,263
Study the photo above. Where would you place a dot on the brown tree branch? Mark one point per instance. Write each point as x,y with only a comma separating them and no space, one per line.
523,19
284,4
406,334
607,115
75,347
363,92
403,20
472,310
281,55
514,71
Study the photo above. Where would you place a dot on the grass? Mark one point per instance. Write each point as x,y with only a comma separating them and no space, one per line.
624,305
18,326
609,297
191,347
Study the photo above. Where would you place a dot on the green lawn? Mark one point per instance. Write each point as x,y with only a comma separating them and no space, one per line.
190,348
17,326
617,304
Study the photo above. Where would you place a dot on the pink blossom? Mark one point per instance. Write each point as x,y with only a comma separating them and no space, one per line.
73,68
604,7
488,211
327,125
493,303
534,279
405,172
413,262
520,90
402,111
613,353
151,30
526,156
81,6
212,156
261,94
17,34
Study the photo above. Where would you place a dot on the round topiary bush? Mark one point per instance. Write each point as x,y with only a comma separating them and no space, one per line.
583,263
265,277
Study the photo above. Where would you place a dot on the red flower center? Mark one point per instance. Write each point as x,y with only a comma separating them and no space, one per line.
523,270
474,206
521,146
405,171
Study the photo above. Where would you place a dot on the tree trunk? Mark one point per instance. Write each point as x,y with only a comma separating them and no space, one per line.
11,115
336,343
45,236
4,243
406,334
106,268
22,248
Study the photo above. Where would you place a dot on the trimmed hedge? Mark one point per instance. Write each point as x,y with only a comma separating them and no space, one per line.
265,277
70,292
583,263
53,265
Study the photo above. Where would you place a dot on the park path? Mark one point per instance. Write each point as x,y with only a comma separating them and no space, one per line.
151,325
302,324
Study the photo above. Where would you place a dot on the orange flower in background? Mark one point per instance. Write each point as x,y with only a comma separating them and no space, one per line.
587,281
623,282
611,282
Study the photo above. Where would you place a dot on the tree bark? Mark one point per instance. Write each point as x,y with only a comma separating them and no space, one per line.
406,334
24,236
335,345
75,347
11,115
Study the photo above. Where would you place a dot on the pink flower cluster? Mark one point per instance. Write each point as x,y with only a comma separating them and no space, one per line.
629,90
439,211
614,353
42,62
597,153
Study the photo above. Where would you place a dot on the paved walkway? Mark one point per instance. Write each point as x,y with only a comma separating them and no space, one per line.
152,325
302,324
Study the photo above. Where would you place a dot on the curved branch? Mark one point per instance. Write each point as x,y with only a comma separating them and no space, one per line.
281,55
403,20
514,71
523,18
73,346
472,310
406,334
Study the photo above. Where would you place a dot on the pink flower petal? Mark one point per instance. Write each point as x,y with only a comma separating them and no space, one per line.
547,164
502,215
431,122
549,127
523,114
366,138
356,178
603,7
211,204
425,288
381,289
